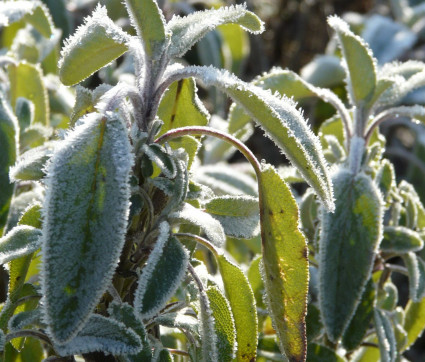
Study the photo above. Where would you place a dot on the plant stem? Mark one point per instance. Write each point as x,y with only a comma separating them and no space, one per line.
29,333
208,131
178,352
200,240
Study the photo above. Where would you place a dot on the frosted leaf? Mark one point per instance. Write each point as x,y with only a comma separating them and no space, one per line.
149,22
102,334
114,98
323,71
30,165
188,30
24,319
386,338
210,226
181,321
95,44
349,240
162,274
9,140
281,121
399,239
358,61
162,158
87,221
21,240
416,269
34,12
239,215
223,180
209,338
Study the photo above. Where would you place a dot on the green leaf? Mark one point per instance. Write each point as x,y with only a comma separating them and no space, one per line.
125,314
386,337
95,44
190,29
162,274
388,296
19,241
239,215
399,239
324,71
149,22
414,322
242,304
26,80
24,112
210,226
30,165
358,60
24,319
385,178
319,353
190,144
237,41
348,241
313,322
84,228
181,321
416,269
281,121
356,330
33,12
223,323
162,158
180,106
285,263
102,334
9,150
255,281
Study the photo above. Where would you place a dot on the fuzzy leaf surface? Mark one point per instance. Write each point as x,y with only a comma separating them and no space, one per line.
180,106
223,323
30,164
318,353
280,120
164,270
24,319
95,43
348,241
416,270
359,325
239,215
210,226
34,12
149,22
84,228
285,263
386,337
19,241
188,30
26,80
9,144
399,239
242,303
359,62
102,334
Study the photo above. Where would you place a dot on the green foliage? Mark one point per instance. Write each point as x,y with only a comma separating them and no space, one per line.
152,246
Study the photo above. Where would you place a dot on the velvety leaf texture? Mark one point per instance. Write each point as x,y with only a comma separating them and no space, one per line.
386,338
149,22
358,60
94,45
399,239
188,30
210,226
414,321
9,146
242,303
84,227
280,120
30,165
102,334
223,323
26,80
20,241
24,319
164,270
34,12
285,263
348,241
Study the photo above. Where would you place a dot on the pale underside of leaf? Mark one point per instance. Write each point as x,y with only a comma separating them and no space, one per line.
84,227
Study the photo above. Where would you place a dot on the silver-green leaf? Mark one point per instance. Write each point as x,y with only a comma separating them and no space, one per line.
84,226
